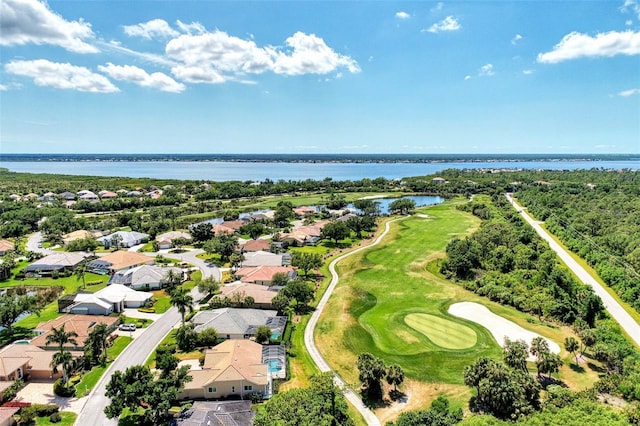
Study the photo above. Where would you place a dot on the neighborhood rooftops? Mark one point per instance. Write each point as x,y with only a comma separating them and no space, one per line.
81,324
237,323
55,262
119,260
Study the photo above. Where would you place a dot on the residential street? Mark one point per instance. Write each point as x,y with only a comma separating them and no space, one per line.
136,353
310,343
625,320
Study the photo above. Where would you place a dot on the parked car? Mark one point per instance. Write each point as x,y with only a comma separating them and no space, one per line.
127,327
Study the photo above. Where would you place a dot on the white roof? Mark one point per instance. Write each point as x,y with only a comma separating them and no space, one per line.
90,298
128,238
140,275
118,292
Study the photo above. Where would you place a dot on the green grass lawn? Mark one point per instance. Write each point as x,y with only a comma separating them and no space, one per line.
67,419
91,378
384,293
163,302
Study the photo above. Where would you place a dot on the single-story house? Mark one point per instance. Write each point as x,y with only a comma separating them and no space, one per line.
216,413
145,277
263,274
79,235
81,324
20,360
67,195
262,295
259,258
256,245
438,180
236,323
124,238
112,298
118,261
219,229
6,415
234,368
234,224
86,195
107,194
6,246
165,241
55,262
304,210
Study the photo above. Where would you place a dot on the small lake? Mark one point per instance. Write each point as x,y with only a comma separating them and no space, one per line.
420,200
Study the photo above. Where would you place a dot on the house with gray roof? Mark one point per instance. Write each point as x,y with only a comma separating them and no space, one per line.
216,413
55,262
112,298
144,277
125,238
236,323
265,258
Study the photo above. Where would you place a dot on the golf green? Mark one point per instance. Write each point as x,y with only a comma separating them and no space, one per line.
442,332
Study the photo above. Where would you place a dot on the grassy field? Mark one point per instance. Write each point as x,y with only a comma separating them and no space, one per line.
67,419
392,303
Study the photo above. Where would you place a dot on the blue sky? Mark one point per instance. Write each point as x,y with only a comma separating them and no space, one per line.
319,77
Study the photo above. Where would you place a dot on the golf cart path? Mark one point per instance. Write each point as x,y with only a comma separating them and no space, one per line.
628,324
310,344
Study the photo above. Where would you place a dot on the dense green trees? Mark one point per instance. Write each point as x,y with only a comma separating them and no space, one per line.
371,370
506,262
321,404
137,388
438,415
14,305
335,231
402,206
306,262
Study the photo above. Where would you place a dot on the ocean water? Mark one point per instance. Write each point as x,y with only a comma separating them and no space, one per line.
259,171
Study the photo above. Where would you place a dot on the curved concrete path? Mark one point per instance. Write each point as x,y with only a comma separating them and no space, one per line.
628,324
309,342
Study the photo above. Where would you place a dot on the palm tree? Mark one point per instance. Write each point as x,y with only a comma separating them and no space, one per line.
395,376
62,337
80,272
181,299
64,359
171,280
97,342
572,345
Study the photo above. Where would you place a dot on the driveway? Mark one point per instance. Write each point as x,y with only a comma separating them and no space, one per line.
625,320
42,393
34,241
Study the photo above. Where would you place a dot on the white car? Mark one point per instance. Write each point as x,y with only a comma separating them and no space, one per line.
127,327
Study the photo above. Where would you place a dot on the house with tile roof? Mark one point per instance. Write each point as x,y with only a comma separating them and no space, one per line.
6,246
255,245
165,241
117,261
217,413
234,368
262,295
18,361
81,324
263,274
80,234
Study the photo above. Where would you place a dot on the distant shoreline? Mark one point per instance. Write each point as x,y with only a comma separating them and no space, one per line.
317,158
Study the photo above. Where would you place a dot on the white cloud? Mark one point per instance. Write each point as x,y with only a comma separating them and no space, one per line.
630,92
527,72
147,57
516,39
192,28
309,54
133,74
467,77
156,28
439,6
3,87
631,6
29,21
628,22
215,57
61,76
576,45
486,70
447,24
402,15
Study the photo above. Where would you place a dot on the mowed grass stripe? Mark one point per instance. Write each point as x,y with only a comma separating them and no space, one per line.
443,332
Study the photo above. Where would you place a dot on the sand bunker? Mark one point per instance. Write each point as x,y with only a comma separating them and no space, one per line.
498,326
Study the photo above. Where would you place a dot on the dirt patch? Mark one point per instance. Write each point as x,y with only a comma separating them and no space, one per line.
418,396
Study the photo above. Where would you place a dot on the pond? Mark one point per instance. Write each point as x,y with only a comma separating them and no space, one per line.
420,200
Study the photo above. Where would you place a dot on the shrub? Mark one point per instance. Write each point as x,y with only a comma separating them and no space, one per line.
12,390
55,418
27,416
61,389
45,409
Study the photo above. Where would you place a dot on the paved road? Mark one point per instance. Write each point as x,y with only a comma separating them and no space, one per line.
136,353
309,342
33,241
625,320
208,270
